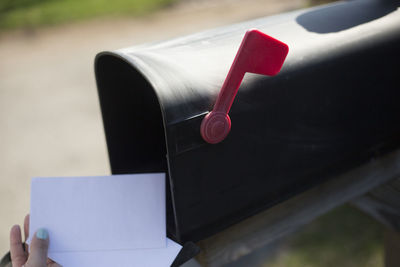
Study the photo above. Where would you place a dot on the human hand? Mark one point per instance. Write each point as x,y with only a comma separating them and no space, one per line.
20,257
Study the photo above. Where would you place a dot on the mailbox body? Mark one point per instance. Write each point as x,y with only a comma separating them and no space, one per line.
335,105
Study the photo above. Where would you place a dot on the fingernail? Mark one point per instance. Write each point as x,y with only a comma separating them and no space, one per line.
42,234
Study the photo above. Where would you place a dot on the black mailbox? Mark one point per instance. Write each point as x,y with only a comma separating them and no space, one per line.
334,105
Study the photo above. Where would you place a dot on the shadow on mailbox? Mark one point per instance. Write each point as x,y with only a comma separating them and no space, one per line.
334,105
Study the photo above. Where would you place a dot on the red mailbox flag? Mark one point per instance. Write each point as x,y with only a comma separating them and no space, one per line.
258,53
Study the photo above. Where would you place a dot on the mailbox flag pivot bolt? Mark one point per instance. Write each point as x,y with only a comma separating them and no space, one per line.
258,53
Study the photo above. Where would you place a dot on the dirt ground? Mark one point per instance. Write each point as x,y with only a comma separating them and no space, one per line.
50,122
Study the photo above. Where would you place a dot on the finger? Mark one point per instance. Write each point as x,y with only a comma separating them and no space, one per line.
26,227
39,246
18,255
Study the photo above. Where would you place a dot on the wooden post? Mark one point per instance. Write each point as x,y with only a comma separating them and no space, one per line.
392,248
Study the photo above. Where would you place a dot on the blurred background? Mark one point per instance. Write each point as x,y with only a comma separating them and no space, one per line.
50,122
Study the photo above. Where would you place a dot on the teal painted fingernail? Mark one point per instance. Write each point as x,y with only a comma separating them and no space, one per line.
42,234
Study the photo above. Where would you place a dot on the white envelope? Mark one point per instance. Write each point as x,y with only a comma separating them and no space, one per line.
118,212
161,257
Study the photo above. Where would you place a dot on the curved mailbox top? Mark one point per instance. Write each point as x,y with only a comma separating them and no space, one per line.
333,106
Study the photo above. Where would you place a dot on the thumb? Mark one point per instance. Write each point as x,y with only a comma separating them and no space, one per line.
38,249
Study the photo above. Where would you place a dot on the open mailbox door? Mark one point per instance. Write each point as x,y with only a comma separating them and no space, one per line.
334,105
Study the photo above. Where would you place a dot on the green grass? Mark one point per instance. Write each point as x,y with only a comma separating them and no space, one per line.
344,237
34,13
